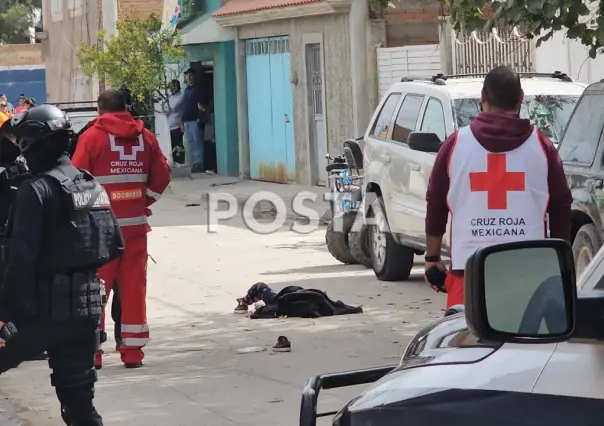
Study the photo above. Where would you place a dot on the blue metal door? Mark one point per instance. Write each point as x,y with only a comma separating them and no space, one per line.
270,110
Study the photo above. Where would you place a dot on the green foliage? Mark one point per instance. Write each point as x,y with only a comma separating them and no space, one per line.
377,6
135,57
16,16
583,19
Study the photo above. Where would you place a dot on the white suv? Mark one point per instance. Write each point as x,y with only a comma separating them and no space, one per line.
397,169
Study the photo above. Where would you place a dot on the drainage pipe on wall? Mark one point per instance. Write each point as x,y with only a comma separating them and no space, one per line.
359,14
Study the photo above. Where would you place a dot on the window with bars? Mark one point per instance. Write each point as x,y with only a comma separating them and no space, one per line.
267,47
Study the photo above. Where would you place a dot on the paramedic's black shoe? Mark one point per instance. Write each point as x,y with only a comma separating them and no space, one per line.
283,345
133,364
241,307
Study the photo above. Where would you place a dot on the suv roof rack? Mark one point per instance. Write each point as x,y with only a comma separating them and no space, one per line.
434,80
556,74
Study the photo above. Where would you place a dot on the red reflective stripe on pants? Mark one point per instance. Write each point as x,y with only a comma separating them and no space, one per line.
130,273
454,287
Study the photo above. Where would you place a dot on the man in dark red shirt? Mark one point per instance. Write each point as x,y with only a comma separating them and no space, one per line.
497,131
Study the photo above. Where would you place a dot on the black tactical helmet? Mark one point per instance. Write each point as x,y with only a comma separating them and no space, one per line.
37,124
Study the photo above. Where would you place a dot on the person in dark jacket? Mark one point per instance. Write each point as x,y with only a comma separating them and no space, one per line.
524,174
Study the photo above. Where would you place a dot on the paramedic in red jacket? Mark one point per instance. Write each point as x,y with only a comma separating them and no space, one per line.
498,168
126,158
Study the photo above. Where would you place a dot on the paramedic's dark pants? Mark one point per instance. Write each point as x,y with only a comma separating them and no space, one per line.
71,348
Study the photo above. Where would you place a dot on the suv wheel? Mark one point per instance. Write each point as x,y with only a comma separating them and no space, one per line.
391,261
358,241
585,246
336,237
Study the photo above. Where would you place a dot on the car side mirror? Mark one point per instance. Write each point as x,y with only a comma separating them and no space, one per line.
521,292
425,142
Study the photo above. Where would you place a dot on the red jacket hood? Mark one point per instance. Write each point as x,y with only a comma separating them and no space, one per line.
120,124
500,132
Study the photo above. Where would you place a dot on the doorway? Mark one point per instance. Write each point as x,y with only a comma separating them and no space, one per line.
205,79
316,113
270,110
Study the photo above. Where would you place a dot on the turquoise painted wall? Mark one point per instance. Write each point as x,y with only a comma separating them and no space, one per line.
225,100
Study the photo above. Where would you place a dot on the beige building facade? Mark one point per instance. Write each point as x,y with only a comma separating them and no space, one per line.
67,23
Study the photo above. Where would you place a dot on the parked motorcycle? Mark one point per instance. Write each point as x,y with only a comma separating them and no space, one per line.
346,240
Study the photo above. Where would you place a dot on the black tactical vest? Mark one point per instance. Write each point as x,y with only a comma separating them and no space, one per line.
89,236
83,236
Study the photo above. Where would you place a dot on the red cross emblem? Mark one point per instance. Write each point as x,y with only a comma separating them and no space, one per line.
497,181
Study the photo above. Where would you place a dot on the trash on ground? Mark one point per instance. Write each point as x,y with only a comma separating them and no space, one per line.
251,349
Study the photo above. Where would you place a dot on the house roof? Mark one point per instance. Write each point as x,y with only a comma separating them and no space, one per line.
237,7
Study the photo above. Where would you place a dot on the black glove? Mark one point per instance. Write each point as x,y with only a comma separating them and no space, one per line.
7,331
437,277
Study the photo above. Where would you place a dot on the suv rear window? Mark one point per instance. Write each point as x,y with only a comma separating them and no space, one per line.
548,112
584,129
381,126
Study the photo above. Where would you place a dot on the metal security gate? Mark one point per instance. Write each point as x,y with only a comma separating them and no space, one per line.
394,63
270,110
318,139
481,52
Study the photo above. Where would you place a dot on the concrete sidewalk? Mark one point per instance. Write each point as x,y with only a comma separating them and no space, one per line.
200,188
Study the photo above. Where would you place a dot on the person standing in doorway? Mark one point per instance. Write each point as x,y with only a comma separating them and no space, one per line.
193,101
174,108
498,167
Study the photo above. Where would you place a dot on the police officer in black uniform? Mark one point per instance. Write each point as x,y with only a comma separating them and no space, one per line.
60,231
13,170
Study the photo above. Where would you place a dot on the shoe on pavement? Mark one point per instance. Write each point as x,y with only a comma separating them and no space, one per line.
133,364
241,307
283,345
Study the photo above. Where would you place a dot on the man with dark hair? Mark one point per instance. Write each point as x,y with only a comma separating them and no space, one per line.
111,101
500,178
127,160
192,103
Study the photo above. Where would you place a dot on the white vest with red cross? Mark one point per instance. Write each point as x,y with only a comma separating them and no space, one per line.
495,197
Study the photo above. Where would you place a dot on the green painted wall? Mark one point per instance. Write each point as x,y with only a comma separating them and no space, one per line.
225,100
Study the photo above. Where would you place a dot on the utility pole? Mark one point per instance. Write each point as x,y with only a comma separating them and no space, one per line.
109,18
109,12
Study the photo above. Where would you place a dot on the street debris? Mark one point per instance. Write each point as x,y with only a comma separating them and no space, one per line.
250,350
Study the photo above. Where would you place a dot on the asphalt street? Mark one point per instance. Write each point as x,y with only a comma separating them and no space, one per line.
193,373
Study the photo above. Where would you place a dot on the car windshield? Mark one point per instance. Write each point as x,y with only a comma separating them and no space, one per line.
79,121
549,113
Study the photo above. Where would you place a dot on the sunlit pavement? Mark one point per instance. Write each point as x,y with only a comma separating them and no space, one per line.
193,374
